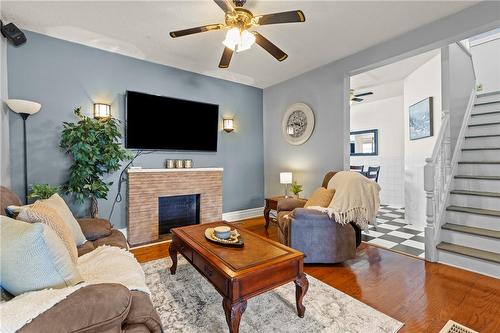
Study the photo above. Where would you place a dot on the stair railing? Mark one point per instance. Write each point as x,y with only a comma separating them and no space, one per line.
440,169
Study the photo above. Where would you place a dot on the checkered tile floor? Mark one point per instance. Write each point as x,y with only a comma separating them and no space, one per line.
394,233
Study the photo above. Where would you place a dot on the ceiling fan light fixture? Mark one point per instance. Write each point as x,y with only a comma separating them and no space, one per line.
238,41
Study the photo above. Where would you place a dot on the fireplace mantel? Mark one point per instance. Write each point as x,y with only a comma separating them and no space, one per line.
134,170
146,186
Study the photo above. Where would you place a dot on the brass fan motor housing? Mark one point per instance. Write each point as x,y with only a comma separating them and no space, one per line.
240,18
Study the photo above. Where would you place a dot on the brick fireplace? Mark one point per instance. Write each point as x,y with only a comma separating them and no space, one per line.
187,194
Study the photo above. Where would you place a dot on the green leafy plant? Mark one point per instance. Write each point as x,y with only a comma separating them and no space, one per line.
296,188
95,147
42,191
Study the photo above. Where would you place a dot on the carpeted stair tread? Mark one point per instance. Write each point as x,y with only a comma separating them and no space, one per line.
485,148
484,113
469,251
487,94
486,103
482,136
473,210
477,177
484,124
476,193
479,162
472,230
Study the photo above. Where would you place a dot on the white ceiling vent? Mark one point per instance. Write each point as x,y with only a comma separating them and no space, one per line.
453,327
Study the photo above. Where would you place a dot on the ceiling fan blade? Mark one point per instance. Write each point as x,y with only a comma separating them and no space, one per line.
283,17
226,58
364,94
269,47
225,5
185,32
357,99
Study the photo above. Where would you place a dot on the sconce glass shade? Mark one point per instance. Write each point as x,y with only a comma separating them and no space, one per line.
22,106
102,111
285,178
228,124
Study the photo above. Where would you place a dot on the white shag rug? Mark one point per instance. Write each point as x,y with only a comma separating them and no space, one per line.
188,303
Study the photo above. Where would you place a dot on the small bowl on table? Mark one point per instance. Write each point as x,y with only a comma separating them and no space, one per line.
222,232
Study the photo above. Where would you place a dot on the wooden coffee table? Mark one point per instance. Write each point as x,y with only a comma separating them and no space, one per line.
240,273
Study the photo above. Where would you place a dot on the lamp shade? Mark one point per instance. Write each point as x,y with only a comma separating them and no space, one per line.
22,106
228,124
102,111
285,177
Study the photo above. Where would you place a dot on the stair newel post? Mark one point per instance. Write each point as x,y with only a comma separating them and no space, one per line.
430,228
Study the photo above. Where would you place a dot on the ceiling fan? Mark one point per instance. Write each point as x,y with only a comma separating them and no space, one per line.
356,97
238,38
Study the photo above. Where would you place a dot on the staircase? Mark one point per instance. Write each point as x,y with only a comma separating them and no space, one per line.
470,233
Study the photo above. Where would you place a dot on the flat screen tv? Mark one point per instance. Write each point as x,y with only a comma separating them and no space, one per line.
165,123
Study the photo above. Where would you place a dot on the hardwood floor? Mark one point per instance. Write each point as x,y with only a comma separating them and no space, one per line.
420,294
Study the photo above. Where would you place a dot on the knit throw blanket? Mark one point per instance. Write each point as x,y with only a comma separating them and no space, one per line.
356,199
106,264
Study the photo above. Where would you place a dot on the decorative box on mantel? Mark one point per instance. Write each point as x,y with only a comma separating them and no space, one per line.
147,187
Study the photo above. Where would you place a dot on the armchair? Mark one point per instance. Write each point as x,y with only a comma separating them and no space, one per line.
314,233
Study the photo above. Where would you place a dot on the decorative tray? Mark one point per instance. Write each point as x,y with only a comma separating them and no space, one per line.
235,240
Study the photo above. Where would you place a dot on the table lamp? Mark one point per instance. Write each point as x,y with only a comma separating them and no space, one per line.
286,179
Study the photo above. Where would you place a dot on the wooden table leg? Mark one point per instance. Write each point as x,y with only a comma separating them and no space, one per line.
233,311
267,210
301,286
173,255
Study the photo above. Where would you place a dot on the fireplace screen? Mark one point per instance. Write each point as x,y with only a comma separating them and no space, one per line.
177,211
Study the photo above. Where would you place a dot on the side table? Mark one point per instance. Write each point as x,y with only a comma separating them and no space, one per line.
272,204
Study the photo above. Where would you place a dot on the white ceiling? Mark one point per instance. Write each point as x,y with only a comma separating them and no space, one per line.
333,30
387,81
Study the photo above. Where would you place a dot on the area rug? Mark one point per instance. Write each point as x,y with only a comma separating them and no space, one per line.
188,303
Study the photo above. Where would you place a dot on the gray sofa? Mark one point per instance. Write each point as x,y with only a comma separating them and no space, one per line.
314,233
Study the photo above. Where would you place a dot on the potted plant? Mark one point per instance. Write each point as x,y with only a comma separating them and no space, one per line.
42,191
296,189
95,148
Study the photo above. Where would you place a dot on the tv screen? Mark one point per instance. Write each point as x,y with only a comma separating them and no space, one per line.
164,123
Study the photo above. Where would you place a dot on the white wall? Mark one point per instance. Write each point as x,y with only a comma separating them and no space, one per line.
422,83
387,116
4,115
486,59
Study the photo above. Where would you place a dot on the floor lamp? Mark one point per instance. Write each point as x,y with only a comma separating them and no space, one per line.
24,109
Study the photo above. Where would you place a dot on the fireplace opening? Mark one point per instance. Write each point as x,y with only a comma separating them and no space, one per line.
177,211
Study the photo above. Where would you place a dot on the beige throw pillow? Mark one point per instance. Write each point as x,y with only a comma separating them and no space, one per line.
321,197
40,212
32,257
58,203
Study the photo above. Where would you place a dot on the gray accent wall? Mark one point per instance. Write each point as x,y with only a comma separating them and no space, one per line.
62,75
325,90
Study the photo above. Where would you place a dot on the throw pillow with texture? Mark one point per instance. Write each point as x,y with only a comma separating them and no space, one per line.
40,212
33,257
321,197
58,203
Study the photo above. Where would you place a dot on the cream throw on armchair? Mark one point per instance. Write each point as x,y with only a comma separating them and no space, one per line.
356,199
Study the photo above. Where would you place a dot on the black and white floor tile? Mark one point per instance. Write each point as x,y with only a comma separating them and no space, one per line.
394,233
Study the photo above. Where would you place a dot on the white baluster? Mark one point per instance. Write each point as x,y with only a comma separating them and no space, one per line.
429,187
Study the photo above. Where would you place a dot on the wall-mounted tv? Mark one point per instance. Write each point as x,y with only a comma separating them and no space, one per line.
165,123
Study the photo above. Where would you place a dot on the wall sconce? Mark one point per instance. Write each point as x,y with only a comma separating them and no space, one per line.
228,124
102,111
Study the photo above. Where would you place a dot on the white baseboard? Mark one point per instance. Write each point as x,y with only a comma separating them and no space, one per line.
229,216
243,214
